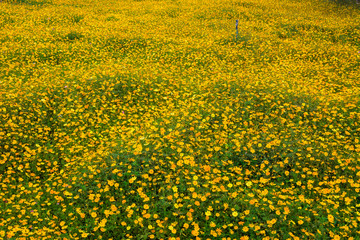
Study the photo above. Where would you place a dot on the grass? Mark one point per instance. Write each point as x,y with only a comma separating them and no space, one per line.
116,123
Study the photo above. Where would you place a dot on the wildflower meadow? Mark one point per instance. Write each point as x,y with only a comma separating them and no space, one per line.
179,119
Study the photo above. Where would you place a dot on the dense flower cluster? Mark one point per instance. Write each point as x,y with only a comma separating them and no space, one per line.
152,119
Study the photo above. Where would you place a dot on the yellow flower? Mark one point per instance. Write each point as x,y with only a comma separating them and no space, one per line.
84,235
336,237
286,210
91,196
113,208
111,182
195,233
131,180
265,192
245,229
347,200
103,222
107,212
331,218
235,214
138,148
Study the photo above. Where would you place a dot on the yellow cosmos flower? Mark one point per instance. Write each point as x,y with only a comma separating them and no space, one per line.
331,218
286,210
113,208
84,235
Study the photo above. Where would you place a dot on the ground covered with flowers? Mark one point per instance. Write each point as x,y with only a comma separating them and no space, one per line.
154,120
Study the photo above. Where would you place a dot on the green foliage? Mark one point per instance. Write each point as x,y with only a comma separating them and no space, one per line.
73,35
347,2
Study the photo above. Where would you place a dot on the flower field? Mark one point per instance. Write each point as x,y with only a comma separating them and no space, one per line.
139,119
